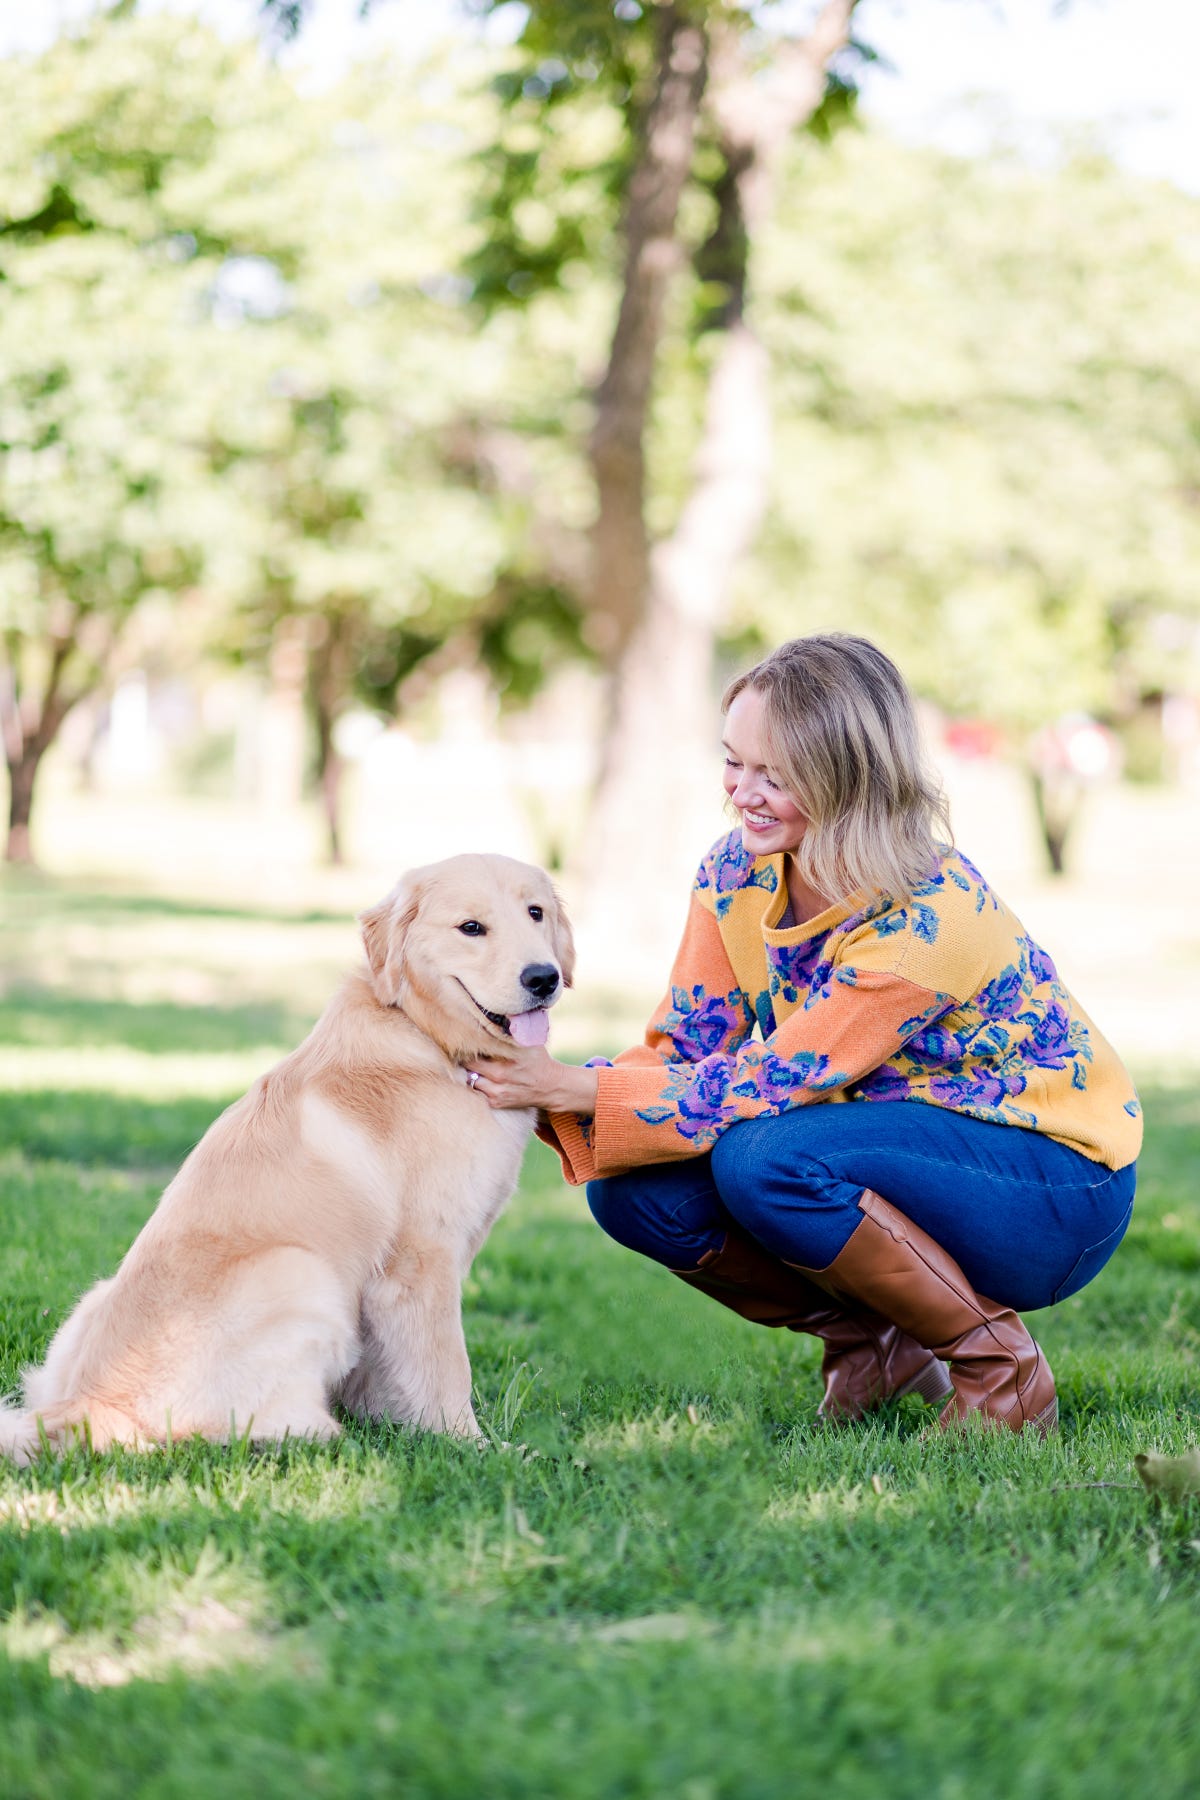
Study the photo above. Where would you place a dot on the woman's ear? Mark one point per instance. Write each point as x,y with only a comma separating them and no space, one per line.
385,930
564,941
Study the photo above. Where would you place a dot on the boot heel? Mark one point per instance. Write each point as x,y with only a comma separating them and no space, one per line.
932,1385
1046,1421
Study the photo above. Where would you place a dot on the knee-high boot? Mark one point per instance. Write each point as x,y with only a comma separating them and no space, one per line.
996,1369
867,1360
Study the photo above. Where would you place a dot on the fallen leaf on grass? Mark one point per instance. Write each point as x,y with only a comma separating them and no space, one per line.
1171,1477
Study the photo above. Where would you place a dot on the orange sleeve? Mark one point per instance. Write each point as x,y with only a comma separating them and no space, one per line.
698,1072
703,1013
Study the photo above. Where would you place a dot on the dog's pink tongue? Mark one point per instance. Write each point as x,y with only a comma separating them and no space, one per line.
530,1028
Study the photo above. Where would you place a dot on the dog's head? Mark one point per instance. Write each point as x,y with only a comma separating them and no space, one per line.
473,950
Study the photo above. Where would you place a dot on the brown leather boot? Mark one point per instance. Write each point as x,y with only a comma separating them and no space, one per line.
866,1360
997,1371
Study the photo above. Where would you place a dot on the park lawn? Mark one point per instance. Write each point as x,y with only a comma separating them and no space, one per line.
661,1580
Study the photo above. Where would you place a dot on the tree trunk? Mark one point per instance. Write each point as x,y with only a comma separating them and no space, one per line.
28,729
21,777
655,806
620,542
1058,802
328,678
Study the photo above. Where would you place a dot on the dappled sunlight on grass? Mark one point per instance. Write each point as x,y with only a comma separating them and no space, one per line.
82,1493
876,1498
192,1621
64,1510
658,1529
662,1433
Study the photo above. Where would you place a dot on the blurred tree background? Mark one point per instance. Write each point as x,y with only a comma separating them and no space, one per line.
625,347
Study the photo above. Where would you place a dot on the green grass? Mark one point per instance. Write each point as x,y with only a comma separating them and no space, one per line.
662,1580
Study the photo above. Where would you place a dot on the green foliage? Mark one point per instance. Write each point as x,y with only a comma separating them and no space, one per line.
237,363
669,1582
985,407
570,92
272,356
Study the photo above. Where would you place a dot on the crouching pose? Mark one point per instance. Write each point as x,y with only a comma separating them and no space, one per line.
867,1107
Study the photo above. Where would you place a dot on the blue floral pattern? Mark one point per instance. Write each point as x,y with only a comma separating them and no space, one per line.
703,1099
728,868
699,1024
990,1055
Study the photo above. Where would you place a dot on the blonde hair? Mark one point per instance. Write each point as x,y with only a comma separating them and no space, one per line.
840,735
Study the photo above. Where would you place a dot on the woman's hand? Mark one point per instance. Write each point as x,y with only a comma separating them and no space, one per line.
533,1078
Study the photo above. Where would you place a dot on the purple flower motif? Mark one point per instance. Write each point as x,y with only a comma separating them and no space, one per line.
728,868
702,1099
772,1079
795,965
977,1089
885,1083
819,982
937,1045
1048,1044
1041,966
1002,995
700,1023
731,866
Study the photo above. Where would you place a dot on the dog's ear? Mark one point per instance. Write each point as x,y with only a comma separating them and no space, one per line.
385,930
564,941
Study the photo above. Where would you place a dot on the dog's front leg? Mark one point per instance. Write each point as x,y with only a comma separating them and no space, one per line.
414,1366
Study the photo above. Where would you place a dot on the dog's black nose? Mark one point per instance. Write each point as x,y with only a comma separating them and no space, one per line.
539,979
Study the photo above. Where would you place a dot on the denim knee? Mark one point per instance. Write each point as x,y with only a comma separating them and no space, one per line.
742,1170
736,1167
611,1203
754,1159
667,1211
783,1194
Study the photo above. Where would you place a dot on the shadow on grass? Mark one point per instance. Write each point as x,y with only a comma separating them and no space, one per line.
676,1587
41,1017
25,893
644,1619
99,1130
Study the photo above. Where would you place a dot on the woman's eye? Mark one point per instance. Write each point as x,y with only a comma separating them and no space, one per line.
535,912
472,928
769,781
730,764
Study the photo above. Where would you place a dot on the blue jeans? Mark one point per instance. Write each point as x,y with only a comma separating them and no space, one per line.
1028,1220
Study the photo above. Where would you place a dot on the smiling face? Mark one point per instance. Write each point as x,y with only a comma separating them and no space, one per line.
772,822
474,950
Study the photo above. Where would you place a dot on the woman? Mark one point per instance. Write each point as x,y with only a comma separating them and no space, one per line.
984,1137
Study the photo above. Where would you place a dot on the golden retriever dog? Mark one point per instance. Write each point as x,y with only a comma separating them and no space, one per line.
313,1246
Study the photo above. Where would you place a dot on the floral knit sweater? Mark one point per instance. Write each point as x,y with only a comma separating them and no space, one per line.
943,999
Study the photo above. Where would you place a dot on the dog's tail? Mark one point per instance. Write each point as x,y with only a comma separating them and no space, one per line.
95,1425
19,1435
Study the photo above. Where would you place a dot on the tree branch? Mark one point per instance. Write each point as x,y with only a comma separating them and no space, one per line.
620,544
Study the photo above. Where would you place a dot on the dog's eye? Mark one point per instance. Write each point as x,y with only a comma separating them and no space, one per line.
472,928
535,912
